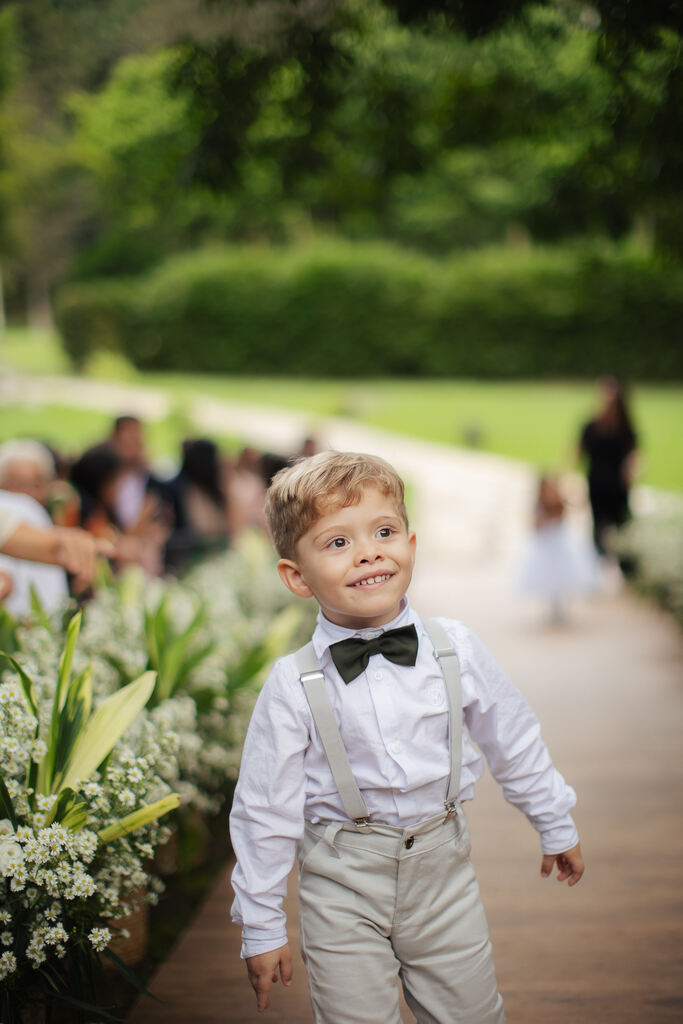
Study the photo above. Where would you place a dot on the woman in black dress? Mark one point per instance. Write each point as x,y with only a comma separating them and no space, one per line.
608,442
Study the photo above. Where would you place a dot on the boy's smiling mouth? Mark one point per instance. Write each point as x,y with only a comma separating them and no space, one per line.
374,580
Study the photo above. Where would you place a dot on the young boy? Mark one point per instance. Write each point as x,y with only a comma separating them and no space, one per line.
355,757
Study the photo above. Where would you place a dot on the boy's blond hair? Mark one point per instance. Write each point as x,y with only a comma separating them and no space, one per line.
301,493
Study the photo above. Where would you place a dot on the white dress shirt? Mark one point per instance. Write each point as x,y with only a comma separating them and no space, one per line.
394,724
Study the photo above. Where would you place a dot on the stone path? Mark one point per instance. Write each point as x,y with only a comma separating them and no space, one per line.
608,689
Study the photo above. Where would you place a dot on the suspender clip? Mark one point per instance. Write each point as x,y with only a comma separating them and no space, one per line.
361,822
451,809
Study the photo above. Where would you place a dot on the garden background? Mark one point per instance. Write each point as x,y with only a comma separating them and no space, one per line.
437,220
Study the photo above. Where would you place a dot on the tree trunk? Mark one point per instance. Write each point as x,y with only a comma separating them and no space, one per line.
38,305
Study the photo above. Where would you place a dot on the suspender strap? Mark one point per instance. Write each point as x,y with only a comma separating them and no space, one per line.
313,682
444,652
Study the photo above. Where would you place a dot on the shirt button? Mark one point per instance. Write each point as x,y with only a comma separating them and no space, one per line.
409,842
378,676
396,747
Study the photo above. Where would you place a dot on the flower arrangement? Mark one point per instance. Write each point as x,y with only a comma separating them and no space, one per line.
79,817
172,669
653,547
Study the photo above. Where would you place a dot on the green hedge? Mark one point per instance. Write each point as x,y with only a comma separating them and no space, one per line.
346,309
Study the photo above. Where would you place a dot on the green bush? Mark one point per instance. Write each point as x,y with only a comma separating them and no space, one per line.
345,309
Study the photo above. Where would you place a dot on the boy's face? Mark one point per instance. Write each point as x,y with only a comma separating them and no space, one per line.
356,561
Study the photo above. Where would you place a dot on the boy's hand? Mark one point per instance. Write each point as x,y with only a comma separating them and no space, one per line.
263,971
570,865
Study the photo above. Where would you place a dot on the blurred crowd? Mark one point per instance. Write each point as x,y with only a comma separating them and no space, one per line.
108,500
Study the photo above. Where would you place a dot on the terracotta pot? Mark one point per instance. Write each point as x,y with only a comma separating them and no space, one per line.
133,949
34,1013
167,856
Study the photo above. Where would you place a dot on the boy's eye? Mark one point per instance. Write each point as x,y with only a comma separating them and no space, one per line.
385,531
338,542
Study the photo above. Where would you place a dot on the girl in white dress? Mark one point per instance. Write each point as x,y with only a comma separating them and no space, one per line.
555,565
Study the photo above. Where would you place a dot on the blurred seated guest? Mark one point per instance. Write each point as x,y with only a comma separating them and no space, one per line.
95,476
200,506
140,496
309,446
48,581
29,467
26,467
272,463
246,492
73,550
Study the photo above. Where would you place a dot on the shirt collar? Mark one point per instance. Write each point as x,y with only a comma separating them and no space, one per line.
327,633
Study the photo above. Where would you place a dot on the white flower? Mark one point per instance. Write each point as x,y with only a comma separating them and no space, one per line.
8,964
38,751
127,797
100,938
5,917
6,938
11,853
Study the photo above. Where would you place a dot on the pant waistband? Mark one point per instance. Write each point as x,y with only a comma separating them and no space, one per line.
425,833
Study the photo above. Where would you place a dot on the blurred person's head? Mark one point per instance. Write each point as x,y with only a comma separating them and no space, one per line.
128,441
549,492
202,467
614,412
95,475
26,467
309,446
249,460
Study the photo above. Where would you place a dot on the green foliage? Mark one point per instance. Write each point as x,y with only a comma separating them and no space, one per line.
174,654
369,309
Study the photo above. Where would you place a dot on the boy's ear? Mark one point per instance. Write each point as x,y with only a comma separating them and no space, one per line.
290,574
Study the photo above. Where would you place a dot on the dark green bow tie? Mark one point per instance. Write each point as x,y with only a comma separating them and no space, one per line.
352,656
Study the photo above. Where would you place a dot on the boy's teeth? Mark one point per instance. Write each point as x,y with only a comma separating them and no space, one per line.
372,579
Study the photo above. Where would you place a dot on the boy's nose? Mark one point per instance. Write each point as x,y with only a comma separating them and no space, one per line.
368,554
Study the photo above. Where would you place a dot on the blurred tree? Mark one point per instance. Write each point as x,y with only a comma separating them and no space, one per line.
143,126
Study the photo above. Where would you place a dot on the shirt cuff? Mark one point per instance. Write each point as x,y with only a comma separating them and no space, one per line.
253,946
559,838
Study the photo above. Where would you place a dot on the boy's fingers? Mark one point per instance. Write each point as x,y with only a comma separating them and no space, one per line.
547,864
286,968
262,989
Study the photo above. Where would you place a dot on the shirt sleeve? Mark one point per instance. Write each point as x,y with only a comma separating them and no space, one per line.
502,724
267,816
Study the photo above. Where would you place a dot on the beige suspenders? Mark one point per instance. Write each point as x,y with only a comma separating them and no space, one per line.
313,682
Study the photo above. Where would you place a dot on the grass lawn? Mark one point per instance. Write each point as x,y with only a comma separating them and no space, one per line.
533,420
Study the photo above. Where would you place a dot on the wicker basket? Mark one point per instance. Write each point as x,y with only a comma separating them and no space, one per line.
133,949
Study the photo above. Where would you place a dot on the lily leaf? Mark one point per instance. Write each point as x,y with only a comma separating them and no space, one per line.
106,726
46,771
26,683
138,818
72,721
38,610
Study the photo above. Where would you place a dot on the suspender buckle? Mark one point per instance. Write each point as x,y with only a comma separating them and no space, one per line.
361,822
307,677
451,809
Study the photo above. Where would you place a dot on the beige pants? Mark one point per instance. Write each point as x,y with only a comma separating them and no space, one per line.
376,904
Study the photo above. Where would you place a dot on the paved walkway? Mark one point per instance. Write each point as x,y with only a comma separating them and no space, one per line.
608,688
